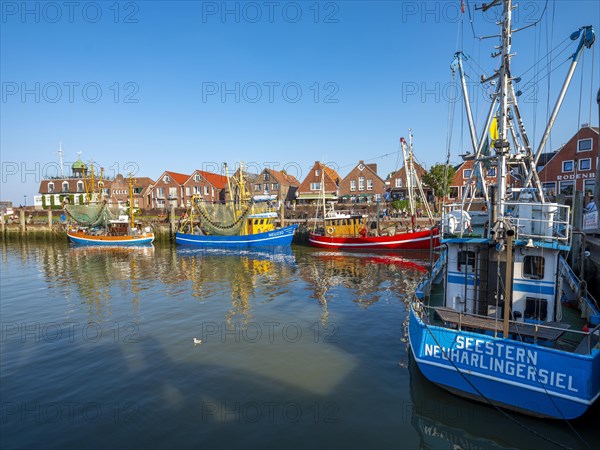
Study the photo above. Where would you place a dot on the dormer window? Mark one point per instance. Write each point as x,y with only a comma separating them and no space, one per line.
50,187
80,186
65,186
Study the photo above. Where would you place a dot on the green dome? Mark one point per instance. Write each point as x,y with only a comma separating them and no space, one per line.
79,164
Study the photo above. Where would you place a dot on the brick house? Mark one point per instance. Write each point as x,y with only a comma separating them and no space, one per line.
118,191
168,190
396,183
310,189
573,166
462,172
362,184
274,185
210,186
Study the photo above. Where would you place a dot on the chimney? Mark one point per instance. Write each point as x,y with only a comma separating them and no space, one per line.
373,167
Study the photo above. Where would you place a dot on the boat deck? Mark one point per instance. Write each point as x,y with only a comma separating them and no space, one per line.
550,331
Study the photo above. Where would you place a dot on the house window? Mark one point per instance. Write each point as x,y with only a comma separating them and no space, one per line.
491,172
258,187
467,173
361,183
172,192
315,186
206,191
197,190
197,178
369,185
274,186
566,187
317,173
167,179
266,187
549,188
585,164
567,166
466,261
160,193
51,187
589,186
266,176
65,186
533,267
353,185
80,186
187,190
584,145
398,182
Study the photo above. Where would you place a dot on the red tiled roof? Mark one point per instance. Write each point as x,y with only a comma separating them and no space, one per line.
218,181
178,177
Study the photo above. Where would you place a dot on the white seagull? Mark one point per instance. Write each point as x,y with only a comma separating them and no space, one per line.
197,341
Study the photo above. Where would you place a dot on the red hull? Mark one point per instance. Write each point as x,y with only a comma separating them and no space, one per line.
418,240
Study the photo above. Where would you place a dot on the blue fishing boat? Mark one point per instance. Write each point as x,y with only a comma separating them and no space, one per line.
501,318
238,223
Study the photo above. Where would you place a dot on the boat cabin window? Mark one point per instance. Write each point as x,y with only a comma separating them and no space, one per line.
536,308
466,261
533,267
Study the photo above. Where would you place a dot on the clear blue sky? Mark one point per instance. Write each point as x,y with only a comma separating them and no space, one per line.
143,82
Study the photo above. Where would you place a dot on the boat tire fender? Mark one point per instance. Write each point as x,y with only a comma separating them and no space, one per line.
330,230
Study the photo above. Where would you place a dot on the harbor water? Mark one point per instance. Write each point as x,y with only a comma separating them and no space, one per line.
172,347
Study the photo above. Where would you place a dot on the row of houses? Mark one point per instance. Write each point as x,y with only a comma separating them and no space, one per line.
572,167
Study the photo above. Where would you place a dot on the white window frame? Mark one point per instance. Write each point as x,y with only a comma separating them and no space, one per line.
206,191
398,182
167,179
588,160
567,162
315,186
467,173
361,183
369,185
352,185
579,141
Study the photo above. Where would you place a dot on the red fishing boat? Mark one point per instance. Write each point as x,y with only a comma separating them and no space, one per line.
345,231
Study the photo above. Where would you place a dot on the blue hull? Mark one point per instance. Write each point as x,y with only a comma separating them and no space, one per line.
524,377
120,243
281,236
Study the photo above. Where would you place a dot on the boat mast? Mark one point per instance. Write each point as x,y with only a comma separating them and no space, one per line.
60,158
408,171
131,200
502,145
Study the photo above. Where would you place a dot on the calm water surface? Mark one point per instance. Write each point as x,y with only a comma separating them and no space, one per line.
300,349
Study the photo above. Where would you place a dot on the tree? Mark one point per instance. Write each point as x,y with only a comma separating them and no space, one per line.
438,179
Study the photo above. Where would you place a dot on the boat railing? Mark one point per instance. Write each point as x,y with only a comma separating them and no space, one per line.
557,334
548,222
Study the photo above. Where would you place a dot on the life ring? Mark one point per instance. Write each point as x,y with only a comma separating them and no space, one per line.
330,230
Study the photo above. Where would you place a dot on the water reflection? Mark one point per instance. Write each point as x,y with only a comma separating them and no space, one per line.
97,277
